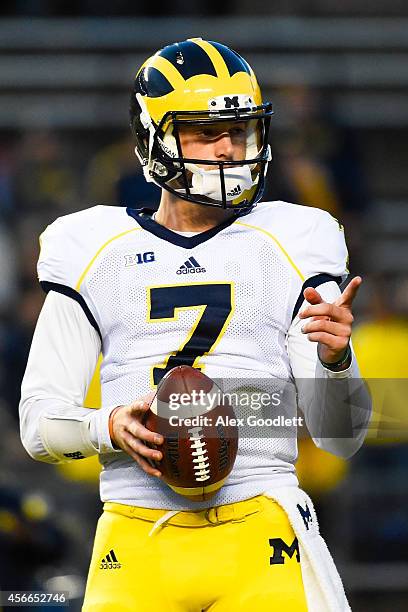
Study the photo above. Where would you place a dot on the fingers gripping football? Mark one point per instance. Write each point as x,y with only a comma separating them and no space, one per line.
130,435
330,324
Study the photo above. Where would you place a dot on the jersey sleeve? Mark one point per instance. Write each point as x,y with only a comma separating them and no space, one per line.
55,263
325,258
327,250
61,262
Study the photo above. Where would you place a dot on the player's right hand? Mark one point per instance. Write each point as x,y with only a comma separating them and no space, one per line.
128,433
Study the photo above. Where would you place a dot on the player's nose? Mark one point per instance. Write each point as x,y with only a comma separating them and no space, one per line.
224,149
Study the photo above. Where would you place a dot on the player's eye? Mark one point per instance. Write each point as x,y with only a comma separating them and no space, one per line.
238,131
208,132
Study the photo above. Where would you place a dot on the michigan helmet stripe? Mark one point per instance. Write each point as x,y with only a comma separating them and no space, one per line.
151,82
216,57
169,71
234,62
189,59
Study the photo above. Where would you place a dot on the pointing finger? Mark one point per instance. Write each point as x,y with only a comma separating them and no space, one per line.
350,292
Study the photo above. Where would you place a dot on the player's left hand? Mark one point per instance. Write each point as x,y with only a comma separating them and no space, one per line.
330,324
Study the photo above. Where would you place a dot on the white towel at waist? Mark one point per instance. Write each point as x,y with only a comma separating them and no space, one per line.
323,586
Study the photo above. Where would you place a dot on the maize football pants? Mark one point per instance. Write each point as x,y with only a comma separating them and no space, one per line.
241,557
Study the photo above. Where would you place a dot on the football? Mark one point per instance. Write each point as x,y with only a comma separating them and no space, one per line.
199,430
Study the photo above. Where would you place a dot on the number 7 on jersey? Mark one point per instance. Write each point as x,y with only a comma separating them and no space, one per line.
215,305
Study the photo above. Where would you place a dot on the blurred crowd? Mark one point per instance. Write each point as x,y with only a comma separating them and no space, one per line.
317,161
105,8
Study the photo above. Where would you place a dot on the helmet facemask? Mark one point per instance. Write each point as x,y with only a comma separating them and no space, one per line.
236,184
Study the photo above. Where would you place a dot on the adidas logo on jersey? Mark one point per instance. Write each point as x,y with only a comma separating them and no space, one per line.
191,266
110,562
234,192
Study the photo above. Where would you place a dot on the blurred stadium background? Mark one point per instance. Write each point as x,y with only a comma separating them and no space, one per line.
337,73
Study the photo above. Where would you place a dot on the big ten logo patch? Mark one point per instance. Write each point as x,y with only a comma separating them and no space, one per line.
280,548
139,258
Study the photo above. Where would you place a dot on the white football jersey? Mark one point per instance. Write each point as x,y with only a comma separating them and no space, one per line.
222,300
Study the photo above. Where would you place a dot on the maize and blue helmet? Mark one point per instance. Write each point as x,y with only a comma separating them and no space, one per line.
198,82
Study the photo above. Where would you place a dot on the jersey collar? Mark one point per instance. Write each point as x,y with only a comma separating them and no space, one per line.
143,216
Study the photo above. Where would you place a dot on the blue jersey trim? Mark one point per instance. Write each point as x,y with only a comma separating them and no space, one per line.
313,281
69,292
143,218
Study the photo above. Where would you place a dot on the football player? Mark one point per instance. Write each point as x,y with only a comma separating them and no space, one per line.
218,281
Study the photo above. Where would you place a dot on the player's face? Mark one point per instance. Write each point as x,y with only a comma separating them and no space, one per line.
224,141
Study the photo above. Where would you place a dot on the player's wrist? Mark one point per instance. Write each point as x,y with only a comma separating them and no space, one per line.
340,364
110,427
